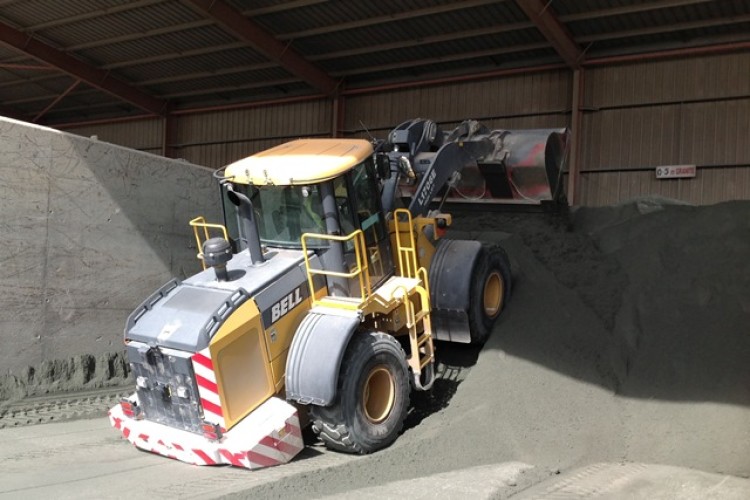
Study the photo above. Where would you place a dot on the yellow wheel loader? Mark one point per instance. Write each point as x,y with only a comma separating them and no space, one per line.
319,297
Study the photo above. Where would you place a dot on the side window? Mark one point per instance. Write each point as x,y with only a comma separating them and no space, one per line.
367,197
230,220
343,205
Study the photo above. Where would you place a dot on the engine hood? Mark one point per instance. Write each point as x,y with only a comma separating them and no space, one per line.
185,315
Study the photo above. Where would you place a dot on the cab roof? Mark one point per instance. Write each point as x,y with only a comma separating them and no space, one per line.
304,161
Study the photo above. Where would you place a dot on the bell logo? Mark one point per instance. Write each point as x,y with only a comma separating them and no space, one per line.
285,305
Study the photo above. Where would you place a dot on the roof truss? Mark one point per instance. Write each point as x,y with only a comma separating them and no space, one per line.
240,26
79,70
554,31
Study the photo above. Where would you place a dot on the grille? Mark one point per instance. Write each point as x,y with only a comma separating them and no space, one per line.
166,386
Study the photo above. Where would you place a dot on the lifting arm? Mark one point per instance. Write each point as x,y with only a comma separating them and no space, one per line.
521,165
420,150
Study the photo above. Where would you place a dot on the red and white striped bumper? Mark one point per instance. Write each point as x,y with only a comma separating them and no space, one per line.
270,435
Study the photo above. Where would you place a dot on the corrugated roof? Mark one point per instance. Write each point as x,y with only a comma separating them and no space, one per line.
169,49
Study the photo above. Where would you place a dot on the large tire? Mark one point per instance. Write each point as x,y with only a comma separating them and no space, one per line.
372,398
490,291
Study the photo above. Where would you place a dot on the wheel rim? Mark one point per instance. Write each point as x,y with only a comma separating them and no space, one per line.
379,394
493,294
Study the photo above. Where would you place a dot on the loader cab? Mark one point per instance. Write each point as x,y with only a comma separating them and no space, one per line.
319,186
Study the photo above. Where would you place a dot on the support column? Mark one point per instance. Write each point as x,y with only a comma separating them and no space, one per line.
169,136
337,116
575,131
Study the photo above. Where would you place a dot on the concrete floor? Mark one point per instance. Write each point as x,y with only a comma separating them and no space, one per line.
87,459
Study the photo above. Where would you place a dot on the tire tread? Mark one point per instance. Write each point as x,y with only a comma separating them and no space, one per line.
330,423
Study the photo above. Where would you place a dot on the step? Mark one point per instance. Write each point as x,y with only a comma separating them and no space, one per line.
386,293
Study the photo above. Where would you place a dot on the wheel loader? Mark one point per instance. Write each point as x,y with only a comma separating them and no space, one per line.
320,297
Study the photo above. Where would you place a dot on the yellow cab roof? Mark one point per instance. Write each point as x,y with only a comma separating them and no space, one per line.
304,161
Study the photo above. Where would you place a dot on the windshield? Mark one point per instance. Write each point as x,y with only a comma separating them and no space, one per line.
284,213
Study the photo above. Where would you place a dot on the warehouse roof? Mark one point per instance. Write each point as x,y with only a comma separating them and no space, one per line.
89,59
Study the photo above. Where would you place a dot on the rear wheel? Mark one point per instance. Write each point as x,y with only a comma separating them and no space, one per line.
372,398
490,290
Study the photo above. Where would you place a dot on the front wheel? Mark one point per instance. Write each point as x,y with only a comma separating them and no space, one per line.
372,398
490,291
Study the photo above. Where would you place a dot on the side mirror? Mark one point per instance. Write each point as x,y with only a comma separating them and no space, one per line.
383,166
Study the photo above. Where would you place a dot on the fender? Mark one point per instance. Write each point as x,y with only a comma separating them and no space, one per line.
450,282
315,356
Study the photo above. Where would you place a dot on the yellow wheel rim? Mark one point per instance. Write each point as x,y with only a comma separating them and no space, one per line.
379,394
493,294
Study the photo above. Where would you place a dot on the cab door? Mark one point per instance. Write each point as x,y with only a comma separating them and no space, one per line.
366,213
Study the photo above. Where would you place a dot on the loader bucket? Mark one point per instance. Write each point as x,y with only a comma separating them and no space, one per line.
527,167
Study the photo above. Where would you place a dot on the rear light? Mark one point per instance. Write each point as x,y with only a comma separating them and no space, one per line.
211,431
131,410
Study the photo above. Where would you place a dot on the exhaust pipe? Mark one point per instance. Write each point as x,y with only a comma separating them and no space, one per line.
245,209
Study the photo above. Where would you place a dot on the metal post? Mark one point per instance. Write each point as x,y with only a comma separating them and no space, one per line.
169,136
337,116
575,130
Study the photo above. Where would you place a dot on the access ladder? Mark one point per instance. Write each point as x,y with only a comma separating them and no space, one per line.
407,293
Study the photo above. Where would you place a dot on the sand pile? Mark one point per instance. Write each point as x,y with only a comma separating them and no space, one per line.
627,339
78,373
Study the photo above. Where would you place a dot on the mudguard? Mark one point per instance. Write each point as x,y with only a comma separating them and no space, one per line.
315,355
450,289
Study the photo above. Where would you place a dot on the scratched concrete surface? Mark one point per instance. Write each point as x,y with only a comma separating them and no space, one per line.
88,230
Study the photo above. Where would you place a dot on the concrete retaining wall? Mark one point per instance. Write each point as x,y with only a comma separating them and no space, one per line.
87,231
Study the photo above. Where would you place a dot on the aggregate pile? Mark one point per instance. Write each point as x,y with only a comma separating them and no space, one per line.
627,339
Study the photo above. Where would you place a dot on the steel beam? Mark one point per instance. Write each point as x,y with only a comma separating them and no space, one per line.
443,59
231,88
553,30
27,67
723,48
666,28
628,9
387,18
250,105
212,49
92,14
473,77
165,29
427,40
79,70
207,74
55,101
233,21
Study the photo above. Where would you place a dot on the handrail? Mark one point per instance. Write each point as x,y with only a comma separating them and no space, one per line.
406,251
200,221
360,270
422,274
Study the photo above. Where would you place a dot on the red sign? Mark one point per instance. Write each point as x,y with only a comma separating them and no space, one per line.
675,171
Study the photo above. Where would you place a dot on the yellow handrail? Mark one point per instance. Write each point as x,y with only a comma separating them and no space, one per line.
360,270
406,251
422,274
201,222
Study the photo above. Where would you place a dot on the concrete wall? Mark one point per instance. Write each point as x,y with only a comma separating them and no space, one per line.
89,230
